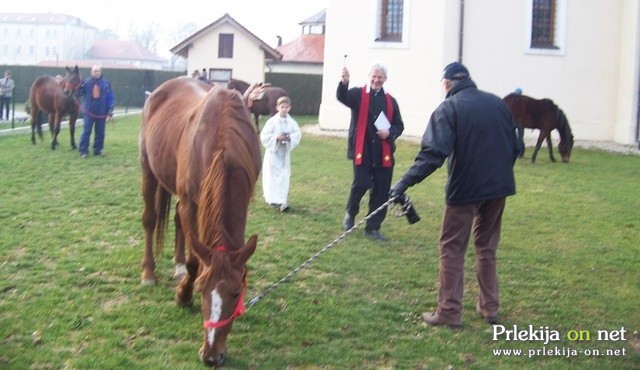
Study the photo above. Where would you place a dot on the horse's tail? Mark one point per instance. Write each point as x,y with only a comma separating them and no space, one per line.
163,208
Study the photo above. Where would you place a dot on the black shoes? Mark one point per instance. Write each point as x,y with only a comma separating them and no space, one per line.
491,320
375,235
347,223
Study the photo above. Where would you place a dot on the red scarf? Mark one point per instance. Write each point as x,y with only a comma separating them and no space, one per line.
363,114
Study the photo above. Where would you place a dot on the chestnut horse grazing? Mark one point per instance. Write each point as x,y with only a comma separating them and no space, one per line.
57,98
260,98
198,142
545,116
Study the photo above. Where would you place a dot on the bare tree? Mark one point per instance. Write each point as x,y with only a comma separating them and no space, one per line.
181,33
109,34
145,36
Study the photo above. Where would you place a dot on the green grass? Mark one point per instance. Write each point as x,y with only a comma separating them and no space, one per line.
71,245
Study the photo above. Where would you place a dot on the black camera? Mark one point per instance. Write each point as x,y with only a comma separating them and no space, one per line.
407,208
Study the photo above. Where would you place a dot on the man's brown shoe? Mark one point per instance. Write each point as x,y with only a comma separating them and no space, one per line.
433,319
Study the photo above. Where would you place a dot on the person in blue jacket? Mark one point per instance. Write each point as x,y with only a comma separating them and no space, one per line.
473,130
97,103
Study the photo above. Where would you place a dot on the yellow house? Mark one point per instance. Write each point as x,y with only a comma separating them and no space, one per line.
226,49
584,55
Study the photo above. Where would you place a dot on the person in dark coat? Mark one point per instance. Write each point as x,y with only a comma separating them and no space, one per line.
375,125
474,132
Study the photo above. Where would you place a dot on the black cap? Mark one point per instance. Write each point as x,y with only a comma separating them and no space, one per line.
455,71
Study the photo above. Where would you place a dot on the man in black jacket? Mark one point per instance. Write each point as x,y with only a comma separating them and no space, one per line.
375,125
474,131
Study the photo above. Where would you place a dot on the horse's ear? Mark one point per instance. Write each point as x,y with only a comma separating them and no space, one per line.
245,252
76,69
68,69
201,251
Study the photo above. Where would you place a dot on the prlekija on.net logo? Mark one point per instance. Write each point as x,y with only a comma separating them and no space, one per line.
545,334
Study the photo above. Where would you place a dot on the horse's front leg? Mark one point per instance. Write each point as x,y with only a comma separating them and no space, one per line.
184,290
55,130
72,130
550,145
256,119
51,123
538,145
178,251
521,141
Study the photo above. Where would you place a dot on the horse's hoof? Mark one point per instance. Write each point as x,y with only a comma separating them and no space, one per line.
181,303
148,282
181,271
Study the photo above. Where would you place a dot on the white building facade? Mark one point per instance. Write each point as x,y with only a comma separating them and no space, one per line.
584,55
28,38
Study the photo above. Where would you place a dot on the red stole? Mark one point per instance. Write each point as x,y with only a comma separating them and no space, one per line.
363,114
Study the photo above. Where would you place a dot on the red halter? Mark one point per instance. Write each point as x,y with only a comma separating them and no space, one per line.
240,309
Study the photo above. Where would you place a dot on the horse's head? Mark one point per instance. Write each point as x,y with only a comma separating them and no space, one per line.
222,281
566,136
72,80
239,85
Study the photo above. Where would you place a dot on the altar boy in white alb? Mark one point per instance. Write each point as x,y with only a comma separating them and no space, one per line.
280,135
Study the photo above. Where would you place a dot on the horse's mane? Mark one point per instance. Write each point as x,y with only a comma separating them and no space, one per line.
563,126
234,150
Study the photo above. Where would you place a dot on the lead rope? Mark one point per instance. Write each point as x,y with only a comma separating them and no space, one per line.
306,263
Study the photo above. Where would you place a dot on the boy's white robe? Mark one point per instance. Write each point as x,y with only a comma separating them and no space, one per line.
276,164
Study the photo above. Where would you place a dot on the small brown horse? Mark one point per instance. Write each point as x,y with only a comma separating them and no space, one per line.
57,98
198,142
259,98
545,116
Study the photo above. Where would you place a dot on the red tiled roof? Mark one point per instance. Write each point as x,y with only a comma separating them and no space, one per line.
126,50
306,48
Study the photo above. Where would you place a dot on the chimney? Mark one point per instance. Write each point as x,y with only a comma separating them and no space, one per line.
279,40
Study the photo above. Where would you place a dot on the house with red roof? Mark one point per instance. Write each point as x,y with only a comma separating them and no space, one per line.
305,54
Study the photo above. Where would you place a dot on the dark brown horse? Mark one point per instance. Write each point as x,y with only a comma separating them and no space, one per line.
198,142
545,116
57,98
259,98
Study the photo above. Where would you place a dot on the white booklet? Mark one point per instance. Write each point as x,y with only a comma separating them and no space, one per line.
382,123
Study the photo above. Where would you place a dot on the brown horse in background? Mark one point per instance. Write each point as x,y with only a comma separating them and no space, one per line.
545,116
57,98
260,98
198,142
